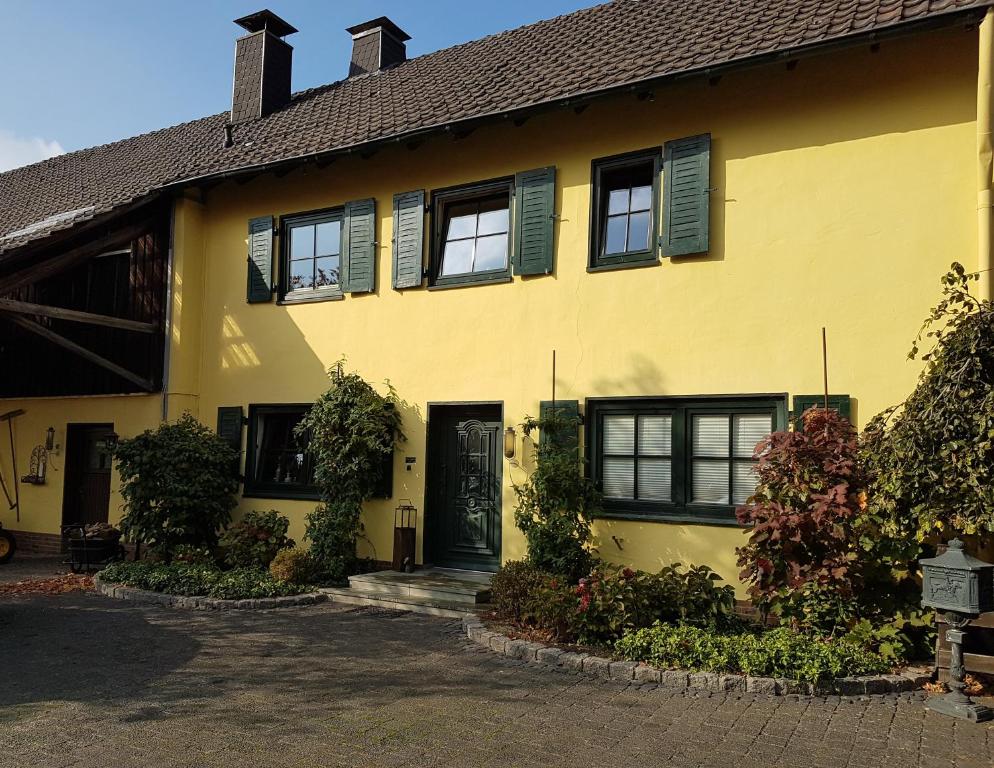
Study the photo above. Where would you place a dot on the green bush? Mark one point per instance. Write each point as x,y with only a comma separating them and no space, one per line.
254,540
186,553
780,652
200,580
178,483
292,565
553,608
513,589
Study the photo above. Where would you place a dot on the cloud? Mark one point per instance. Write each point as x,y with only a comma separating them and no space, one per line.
16,151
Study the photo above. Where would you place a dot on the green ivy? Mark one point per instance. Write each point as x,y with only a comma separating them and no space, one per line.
178,483
201,580
933,455
348,431
556,503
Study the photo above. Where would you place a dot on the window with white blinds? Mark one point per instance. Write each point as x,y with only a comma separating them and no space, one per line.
678,456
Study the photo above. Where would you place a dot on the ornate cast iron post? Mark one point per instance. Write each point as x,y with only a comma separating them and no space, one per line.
960,587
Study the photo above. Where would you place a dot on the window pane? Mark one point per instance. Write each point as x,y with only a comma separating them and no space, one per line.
462,221
491,253
743,481
329,238
749,430
641,198
654,480
619,435
280,457
638,231
301,275
617,201
710,435
617,229
326,271
618,481
457,257
492,222
655,435
302,241
709,483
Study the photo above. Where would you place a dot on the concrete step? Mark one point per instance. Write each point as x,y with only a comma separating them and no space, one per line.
422,605
438,585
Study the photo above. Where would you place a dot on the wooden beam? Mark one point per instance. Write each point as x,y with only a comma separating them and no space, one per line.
86,354
68,259
75,316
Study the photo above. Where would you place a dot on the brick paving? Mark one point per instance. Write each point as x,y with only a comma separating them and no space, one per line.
91,681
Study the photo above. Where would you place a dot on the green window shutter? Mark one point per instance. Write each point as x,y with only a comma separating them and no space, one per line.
534,218
408,238
840,403
359,246
566,434
229,427
260,260
686,196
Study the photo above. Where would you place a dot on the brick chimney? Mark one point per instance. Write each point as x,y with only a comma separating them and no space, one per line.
262,67
376,45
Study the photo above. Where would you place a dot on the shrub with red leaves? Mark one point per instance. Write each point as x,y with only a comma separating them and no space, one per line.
801,561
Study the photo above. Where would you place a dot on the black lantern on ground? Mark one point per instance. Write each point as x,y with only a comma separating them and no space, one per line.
961,587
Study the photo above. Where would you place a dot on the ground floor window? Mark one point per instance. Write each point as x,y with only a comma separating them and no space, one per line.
688,458
277,463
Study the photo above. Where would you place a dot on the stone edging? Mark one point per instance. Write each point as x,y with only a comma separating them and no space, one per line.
630,671
122,592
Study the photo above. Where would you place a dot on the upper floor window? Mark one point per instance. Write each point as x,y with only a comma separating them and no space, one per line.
472,228
312,256
277,463
678,457
624,216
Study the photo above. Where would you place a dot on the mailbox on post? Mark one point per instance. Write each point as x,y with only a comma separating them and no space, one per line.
961,587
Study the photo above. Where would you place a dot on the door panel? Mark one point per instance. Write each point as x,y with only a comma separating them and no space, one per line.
87,486
467,487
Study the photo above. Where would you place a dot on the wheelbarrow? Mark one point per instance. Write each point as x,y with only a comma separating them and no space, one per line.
88,552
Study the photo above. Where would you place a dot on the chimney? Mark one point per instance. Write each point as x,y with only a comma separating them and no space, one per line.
376,45
262,67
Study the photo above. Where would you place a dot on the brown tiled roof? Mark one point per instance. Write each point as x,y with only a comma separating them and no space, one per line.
583,53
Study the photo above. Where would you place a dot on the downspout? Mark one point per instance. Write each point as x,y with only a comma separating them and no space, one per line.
985,154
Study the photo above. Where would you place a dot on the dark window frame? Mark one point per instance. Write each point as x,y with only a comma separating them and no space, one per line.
680,509
597,260
304,296
441,200
261,489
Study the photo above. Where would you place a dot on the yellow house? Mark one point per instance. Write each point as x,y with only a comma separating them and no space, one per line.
673,200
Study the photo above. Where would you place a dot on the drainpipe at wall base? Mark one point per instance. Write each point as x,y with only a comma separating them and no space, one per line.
985,154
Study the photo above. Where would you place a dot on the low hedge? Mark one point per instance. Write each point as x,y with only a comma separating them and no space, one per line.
189,579
780,652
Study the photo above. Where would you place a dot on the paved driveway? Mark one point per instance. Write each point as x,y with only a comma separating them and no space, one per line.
90,681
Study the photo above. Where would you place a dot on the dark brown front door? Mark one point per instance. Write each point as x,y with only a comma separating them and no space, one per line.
464,486
88,463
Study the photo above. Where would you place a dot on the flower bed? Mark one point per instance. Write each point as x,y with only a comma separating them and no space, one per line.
189,579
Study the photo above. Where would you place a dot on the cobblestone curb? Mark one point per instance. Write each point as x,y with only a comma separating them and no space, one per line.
122,592
630,671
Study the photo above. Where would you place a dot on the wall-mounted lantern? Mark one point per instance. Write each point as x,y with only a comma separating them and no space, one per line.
961,587
510,437
50,439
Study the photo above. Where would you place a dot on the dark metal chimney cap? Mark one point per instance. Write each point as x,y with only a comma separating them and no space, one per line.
382,22
266,20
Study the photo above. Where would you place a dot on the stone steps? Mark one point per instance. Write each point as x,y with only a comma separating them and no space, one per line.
433,591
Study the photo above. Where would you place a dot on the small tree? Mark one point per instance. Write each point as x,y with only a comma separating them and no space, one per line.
801,561
349,431
179,483
556,503
933,456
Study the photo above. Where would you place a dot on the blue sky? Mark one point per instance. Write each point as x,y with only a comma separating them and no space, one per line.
77,73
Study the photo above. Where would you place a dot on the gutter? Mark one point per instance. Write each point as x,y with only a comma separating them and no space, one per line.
985,155
892,31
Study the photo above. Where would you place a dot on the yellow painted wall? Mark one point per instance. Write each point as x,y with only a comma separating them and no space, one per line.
844,189
41,505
